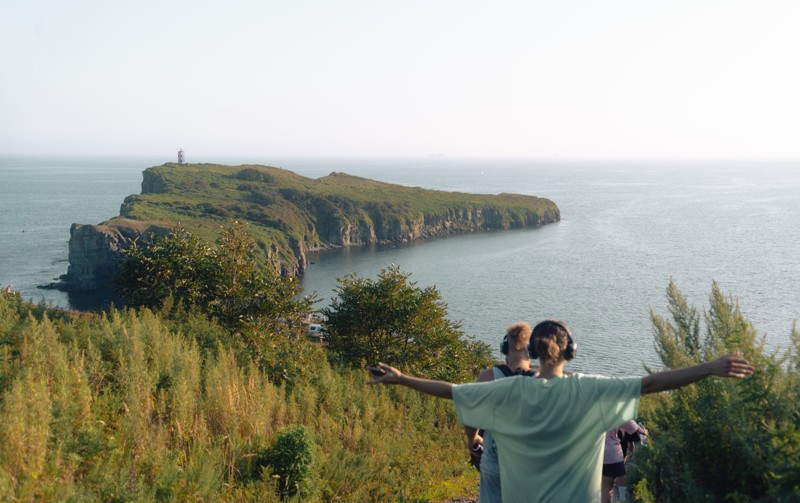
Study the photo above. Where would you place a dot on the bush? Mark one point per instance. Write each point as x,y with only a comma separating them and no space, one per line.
719,439
391,320
226,281
254,175
290,458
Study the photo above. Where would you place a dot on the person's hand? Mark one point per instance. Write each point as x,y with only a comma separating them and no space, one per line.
731,366
475,454
390,375
476,440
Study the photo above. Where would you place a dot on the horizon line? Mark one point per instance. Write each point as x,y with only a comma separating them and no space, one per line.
213,158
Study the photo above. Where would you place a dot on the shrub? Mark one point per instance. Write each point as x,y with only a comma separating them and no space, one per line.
254,175
390,319
290,458
225,281
719,439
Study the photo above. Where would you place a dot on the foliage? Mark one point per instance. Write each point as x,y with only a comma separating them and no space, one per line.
290,458
127,406
180,266
225,281
721,439
254,175
390,319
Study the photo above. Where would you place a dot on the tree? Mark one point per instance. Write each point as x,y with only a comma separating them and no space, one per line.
226,280
179,265
390,319
721,440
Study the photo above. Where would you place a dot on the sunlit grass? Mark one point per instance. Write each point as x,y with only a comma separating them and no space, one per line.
121,406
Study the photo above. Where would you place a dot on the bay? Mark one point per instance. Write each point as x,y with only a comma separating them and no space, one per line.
626,229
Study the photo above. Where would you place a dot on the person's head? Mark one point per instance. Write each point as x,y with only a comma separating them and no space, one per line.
516,339
551,342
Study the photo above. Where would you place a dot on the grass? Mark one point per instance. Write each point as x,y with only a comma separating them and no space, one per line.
129,406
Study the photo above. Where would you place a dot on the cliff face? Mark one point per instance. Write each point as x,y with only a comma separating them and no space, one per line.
94,251
455,221
153,183
289,215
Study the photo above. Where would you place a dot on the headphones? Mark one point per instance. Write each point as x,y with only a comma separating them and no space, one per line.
572,347
504,348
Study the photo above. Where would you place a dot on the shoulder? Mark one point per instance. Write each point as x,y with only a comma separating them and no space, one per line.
502,370
486,376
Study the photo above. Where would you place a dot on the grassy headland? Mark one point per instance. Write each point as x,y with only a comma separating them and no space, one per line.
290,211
289,214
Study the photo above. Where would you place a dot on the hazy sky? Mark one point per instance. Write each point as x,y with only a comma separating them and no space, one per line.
462,78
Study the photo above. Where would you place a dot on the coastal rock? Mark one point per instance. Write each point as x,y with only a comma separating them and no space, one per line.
153,183
94,251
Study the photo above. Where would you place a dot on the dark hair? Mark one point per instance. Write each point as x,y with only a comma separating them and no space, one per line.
550,340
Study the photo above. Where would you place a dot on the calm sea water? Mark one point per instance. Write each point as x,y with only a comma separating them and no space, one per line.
626,229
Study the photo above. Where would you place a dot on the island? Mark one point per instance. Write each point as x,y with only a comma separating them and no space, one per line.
288,215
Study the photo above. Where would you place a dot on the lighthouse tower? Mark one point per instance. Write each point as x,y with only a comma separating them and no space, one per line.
181,158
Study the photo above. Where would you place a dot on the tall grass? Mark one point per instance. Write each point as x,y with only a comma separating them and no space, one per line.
130,406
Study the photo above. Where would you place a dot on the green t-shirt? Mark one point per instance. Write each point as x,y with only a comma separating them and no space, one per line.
549,432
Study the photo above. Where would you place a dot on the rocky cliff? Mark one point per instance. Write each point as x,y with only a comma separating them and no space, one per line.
94,250
289,215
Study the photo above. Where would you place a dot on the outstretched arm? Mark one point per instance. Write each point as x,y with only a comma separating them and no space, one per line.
438,389
725,366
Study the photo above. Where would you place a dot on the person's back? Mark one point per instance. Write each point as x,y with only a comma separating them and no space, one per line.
565,418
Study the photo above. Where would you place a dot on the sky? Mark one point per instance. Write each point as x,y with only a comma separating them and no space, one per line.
566,79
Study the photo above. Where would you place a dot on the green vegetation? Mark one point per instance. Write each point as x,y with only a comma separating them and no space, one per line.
289,214
129,406
391,320
290,459
252,301
721,440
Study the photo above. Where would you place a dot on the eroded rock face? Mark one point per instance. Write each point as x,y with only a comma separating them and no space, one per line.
153,183
94,251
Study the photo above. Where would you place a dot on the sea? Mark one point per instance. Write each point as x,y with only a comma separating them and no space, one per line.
627,229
